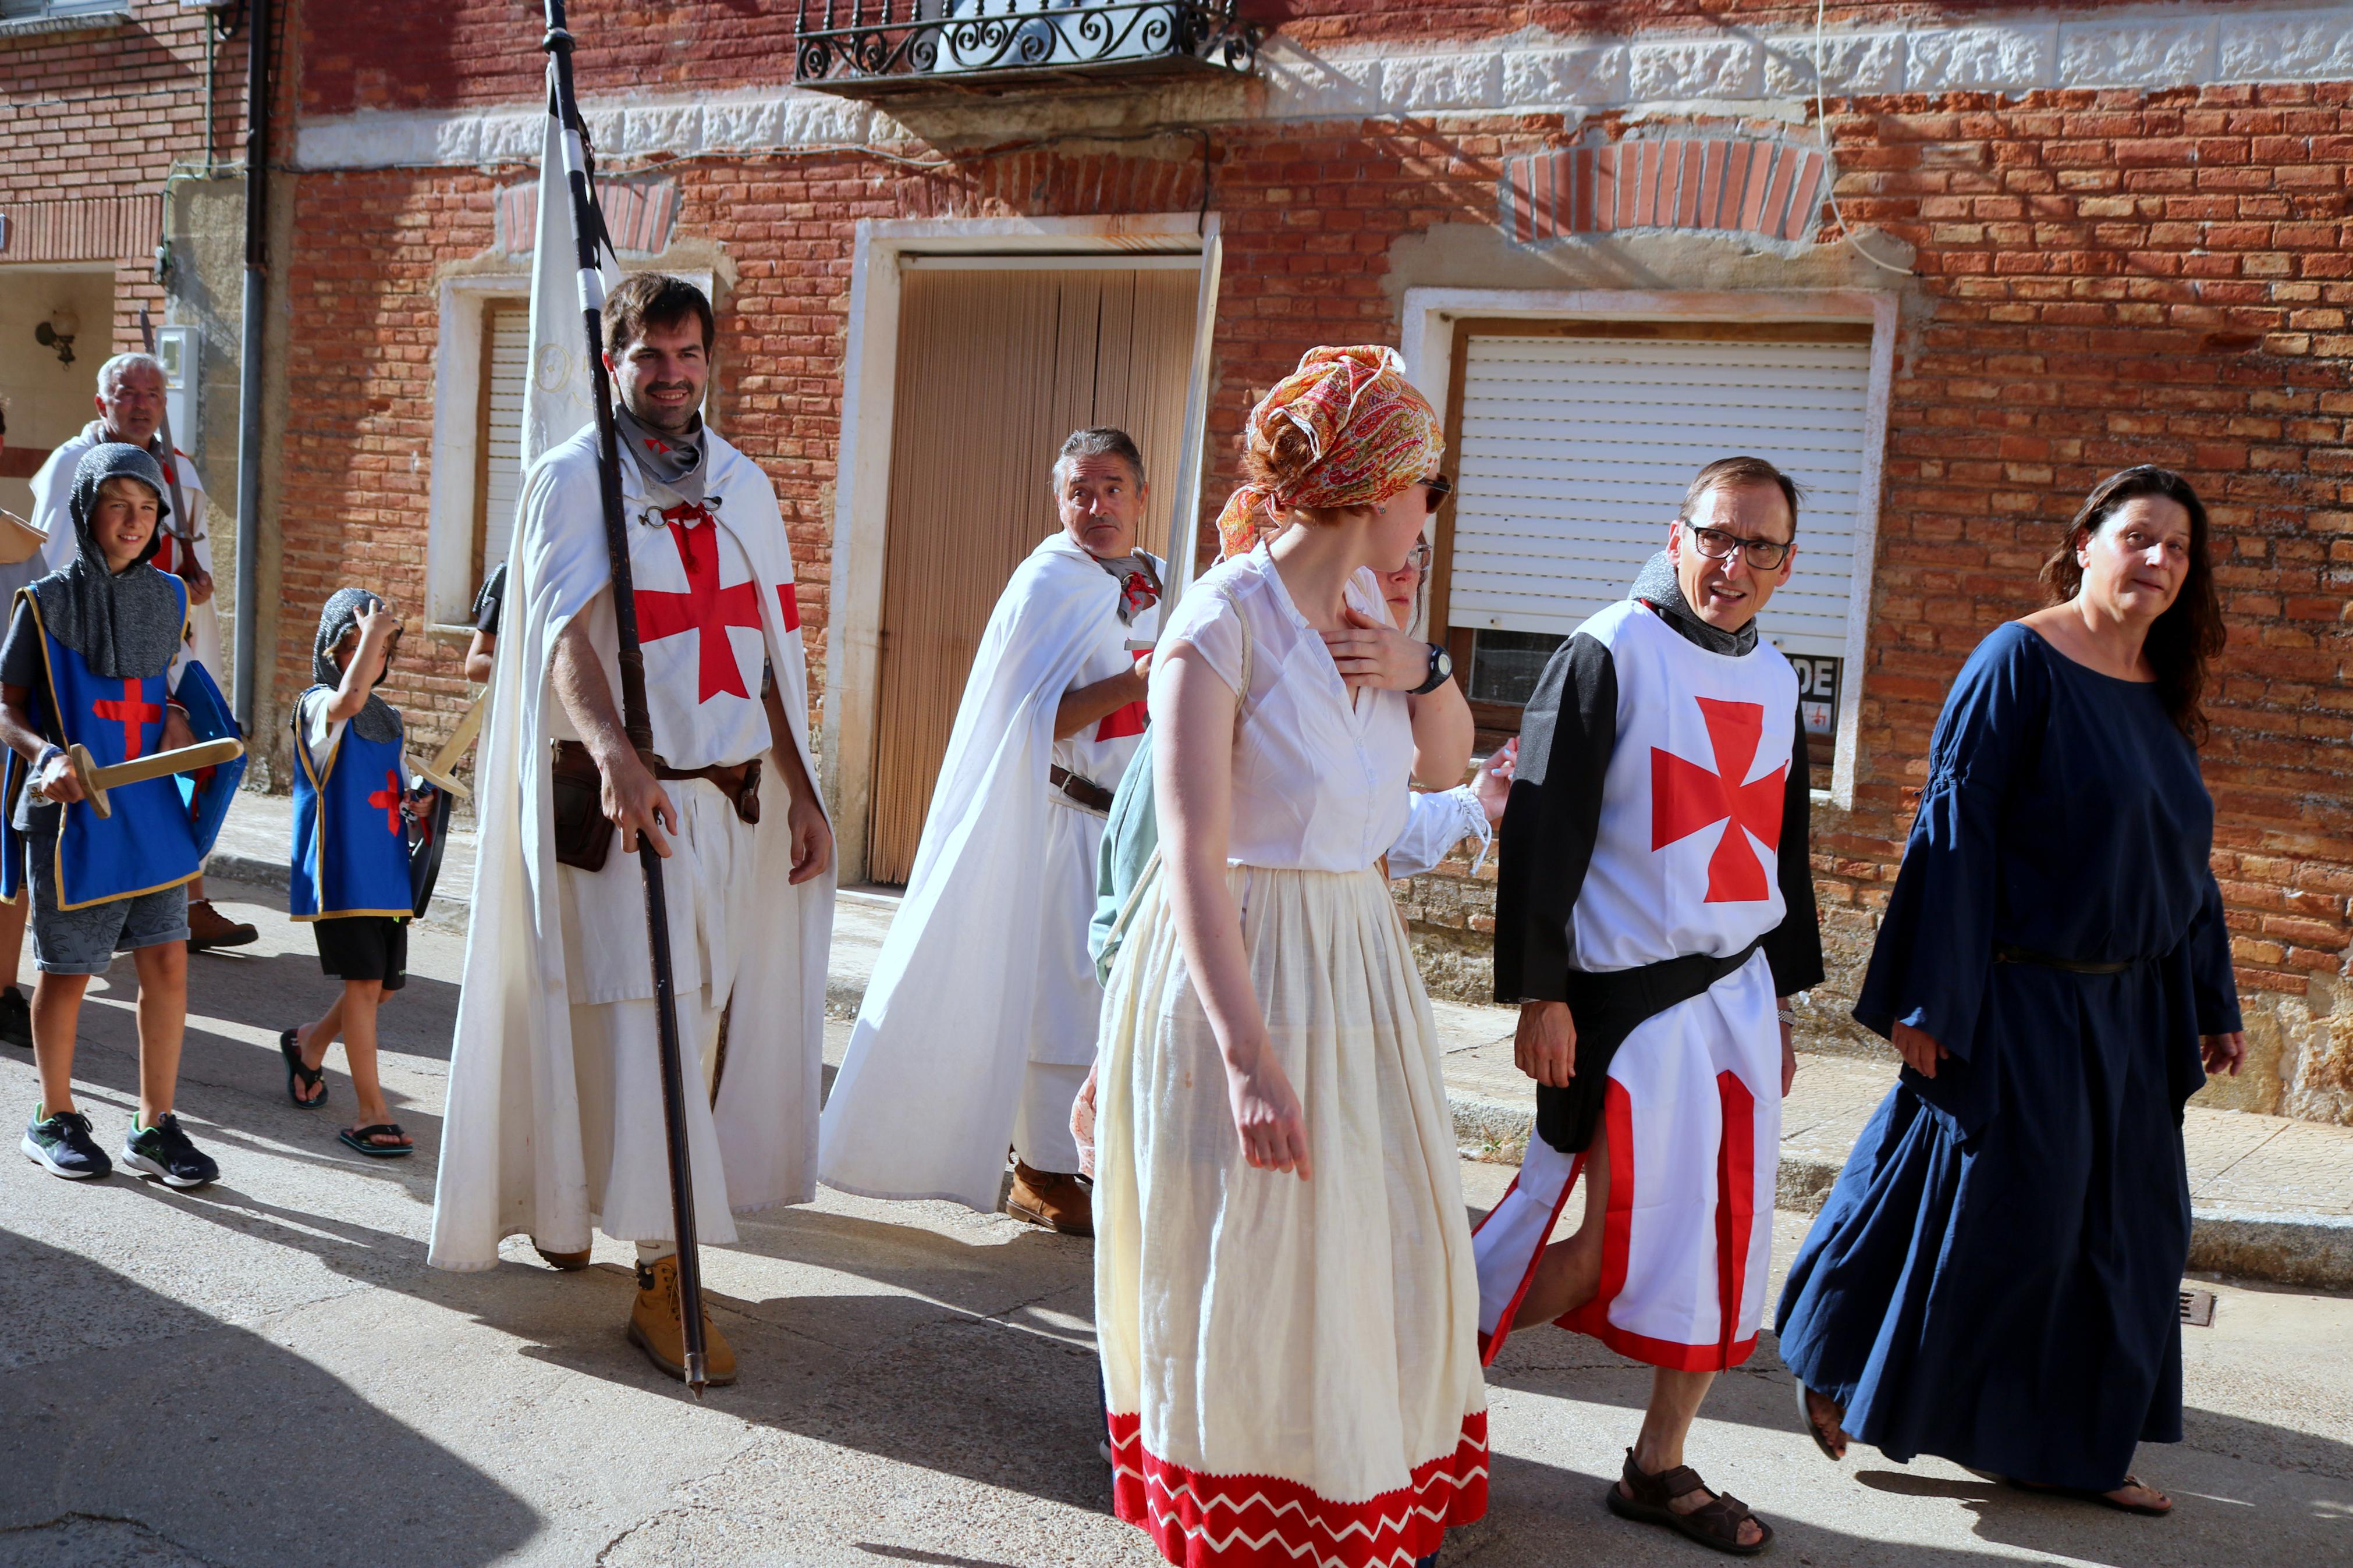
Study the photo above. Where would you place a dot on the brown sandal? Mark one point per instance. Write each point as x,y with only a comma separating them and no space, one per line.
1715,1523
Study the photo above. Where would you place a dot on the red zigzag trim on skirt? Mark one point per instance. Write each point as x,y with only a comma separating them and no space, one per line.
1260,1521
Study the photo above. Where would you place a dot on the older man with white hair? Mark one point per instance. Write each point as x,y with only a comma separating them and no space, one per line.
131,409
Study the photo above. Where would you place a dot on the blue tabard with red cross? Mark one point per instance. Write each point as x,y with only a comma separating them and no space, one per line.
351,837
149,842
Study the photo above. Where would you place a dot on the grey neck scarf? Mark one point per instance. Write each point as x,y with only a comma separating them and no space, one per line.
375,722
1656,585
673,463
125,624
1139,585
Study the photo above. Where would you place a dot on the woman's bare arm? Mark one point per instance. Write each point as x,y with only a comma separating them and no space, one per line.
1193,783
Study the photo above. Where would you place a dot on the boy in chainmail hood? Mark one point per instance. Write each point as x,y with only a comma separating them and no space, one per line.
89,664
349,870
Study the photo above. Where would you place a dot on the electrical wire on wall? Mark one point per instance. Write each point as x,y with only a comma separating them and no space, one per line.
1822,131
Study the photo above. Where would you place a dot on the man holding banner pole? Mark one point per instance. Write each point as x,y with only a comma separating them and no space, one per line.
639,1033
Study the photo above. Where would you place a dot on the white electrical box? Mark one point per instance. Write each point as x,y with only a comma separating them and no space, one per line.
181,351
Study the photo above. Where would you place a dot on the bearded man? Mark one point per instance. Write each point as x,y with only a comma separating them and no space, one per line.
554,1119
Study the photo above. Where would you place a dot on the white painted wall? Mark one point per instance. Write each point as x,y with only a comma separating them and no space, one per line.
48,402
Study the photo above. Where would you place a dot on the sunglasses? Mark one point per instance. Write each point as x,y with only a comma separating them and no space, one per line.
1439,487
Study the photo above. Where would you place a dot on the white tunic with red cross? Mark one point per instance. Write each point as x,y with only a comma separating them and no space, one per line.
1684,862
699,626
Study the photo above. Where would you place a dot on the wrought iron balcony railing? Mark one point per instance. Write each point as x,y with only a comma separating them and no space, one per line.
864,48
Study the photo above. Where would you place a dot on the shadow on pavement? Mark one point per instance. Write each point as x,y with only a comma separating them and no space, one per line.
2202,1529
215,1449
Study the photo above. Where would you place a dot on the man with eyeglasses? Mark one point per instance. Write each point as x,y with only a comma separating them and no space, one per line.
1656,911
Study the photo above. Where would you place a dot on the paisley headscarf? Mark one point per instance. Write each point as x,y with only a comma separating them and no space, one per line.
1371,433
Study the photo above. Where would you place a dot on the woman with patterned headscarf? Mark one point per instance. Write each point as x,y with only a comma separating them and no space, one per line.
1284,1294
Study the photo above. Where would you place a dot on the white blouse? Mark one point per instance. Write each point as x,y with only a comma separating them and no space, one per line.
1320,783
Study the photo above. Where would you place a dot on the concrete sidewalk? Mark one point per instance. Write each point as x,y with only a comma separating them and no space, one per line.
2272,1198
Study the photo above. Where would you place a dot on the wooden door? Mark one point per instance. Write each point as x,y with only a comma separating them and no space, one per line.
996,367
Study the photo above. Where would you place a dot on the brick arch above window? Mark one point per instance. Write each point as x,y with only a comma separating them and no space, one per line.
1753,186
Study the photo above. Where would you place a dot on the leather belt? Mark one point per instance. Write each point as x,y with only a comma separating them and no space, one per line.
2007,953
740,783
1081,788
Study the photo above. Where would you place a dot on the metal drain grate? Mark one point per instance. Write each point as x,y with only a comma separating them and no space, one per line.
2198,1308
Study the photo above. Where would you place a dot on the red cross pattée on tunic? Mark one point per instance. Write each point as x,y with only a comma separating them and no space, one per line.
131,712
1686,797
705,608
387,800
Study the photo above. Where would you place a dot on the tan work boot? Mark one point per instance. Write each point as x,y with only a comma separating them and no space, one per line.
568,1262
654,1326
208,928
1058,1203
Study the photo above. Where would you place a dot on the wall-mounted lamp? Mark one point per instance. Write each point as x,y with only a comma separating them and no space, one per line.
58,332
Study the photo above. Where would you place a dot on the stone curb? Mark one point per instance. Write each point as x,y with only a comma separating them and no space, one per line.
2311,1251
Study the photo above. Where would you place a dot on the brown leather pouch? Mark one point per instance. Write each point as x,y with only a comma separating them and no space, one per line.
583,835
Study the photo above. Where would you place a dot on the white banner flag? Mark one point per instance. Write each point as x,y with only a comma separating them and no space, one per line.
556,398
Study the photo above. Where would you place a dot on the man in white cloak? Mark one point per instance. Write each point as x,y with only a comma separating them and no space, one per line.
554,1119
979,1026
130,401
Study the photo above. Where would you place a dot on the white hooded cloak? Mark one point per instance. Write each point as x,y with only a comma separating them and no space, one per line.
924,1104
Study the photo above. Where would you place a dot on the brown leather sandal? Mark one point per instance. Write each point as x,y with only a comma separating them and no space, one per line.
1715,1523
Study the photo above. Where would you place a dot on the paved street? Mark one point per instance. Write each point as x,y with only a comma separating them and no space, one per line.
265,1372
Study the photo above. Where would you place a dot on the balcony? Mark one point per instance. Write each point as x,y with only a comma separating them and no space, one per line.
877,48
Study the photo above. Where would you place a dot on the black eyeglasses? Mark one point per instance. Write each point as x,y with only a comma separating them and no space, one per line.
1419,559
1764,554
1439,487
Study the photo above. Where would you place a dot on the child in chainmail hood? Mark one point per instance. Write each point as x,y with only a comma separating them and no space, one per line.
353,799
88,665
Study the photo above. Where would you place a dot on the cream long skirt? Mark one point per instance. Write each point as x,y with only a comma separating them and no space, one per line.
1291,1366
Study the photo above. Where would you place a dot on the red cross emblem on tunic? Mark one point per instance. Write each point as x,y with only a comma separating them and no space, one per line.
131,712
705,608
388,800
1128,719
1686,797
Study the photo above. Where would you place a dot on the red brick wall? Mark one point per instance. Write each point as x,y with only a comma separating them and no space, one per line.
2109,278
106,113
466,52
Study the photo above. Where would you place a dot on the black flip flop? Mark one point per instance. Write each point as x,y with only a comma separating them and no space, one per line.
357,1138
2085,1494
298,1077
1805,1419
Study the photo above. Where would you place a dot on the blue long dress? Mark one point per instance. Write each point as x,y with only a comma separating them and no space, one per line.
1994,1276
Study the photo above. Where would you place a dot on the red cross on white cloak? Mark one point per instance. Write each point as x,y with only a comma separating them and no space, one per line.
1687,798
131,712
388,799
705,608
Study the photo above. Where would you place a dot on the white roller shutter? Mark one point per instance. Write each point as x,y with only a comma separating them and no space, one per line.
509,345
1576,452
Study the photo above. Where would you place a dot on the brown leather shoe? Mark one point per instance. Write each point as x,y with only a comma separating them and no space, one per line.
1058,1202
654,1326
568,1262
208,928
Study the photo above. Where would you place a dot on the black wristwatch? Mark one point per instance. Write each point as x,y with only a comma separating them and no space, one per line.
1442,669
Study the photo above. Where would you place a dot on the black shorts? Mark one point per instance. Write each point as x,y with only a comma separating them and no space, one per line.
364,947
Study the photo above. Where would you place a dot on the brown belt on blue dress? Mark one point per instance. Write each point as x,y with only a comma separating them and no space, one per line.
2007,953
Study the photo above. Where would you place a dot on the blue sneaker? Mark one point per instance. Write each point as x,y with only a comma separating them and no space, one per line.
63,1145
164,1151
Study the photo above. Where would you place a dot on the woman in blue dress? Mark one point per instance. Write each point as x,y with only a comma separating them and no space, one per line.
1994,1278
